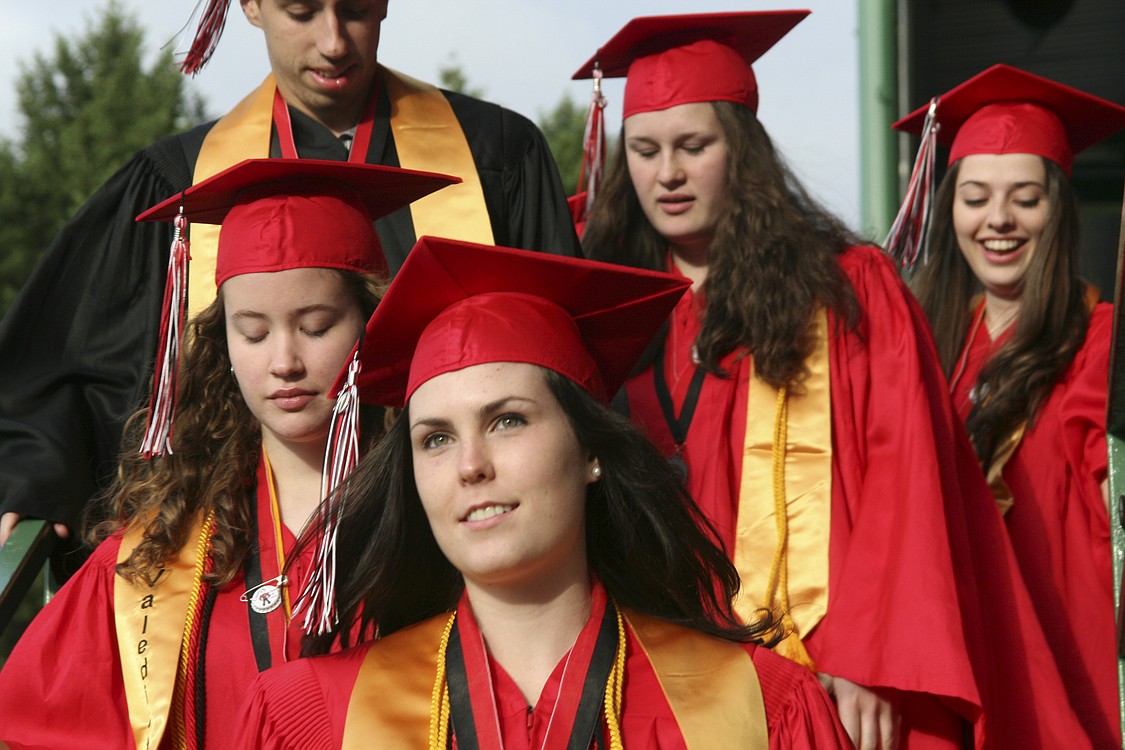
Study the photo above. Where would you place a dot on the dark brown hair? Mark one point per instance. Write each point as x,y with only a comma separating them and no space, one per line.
646,539
772,261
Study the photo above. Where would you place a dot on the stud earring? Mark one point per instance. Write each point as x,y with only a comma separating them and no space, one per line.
597,471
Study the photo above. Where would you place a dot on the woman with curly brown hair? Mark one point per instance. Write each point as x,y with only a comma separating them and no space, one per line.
797,387
192,587
1025,345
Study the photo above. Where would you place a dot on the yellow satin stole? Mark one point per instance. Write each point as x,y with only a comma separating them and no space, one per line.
711,685
807,480
702,678
150,622
393,693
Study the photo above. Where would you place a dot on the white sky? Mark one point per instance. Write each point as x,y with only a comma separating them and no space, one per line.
521,53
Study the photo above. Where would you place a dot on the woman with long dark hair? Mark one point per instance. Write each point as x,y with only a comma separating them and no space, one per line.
1025,345
154,641
797,388
537,576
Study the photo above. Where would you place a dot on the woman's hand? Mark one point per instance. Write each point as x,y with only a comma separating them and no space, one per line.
9,520
871,720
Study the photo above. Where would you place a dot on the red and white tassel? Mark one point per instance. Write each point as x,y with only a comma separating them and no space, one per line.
593,142
909,234
207,33
162,403
318,598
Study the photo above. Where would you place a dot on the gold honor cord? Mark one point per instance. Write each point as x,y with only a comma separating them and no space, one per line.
785,498
439,701
441,711
152,623
615,686
427,137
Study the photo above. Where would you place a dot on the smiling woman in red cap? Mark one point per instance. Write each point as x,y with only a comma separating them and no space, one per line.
797,386
192,588
1025,345
536,572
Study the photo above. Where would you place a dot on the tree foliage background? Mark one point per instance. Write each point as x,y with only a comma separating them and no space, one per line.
564,126
86,108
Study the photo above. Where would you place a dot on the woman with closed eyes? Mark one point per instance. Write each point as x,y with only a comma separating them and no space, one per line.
194,583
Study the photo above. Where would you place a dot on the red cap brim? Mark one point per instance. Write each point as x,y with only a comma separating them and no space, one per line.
382,189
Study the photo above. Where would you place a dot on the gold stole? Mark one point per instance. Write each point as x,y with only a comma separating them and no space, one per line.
808,495
1001,493
711,685
427,136
393,693
150,622
701,677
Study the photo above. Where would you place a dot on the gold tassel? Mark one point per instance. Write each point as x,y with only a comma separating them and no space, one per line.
793,648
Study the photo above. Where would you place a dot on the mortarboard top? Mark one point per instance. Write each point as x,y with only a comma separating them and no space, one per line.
1005,110
683,59
456,304
278,214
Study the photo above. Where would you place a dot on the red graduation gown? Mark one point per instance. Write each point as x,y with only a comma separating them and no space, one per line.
924,596
304,704
62,685
1058,522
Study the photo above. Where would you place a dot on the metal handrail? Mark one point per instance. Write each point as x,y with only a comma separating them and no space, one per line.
1115,441
21,560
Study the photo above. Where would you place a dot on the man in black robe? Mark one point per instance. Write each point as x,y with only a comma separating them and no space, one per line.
77,346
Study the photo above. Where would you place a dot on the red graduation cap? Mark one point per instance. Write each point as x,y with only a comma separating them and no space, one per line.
280,214
276,214
1004,110
682,59
456,304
